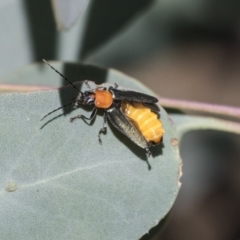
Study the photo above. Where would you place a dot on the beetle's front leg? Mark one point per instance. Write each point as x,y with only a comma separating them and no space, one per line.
104,128
92,116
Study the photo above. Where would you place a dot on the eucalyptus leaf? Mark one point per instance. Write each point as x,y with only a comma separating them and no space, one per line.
105,19
58,182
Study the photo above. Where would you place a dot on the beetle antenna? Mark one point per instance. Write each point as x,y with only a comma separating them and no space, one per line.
61,75
58,109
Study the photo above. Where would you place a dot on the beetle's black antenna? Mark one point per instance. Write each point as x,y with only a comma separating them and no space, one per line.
71,103
61,75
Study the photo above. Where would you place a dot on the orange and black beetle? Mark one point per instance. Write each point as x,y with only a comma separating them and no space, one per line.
132,113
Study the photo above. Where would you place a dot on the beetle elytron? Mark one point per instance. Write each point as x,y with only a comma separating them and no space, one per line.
132,113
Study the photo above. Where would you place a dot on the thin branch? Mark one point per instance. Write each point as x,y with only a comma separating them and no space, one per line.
200,107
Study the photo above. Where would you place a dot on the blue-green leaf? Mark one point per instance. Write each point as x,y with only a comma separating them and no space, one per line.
58,182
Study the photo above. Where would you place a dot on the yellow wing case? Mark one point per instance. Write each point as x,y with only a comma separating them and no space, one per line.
144,120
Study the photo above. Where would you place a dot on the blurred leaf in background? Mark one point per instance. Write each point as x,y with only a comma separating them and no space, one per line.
66,13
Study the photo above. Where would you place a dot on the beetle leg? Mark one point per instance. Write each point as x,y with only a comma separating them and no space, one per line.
103,129
149,154
86,82
92,116
116,86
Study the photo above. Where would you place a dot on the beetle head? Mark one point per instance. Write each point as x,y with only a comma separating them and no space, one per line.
86,98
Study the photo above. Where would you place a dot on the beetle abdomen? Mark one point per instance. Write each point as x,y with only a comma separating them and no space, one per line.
144,120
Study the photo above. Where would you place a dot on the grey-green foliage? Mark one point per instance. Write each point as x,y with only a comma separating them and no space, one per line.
58,182
66,13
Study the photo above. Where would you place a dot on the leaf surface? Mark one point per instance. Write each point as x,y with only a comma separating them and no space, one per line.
58,182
